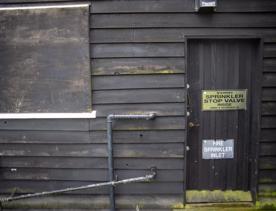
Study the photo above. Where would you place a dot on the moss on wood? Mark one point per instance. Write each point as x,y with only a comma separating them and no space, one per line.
195,196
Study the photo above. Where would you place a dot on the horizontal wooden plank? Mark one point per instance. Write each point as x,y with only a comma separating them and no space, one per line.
54,174
173,150
72,150
269,108
136,6
246,6
63,207
268,122
46,124
269,94
161,109
68,137
90,163
269,80
270,50
152,35
270,39
266,189
99,175
138,81
95,124
137,50
261,20
4,2
134,188
139,96
267,163
268,135
268,149
267,176
53,162
32,208
147,163
12,207
270,65
159,123
159,136
153,6
23,136
122,66
96,203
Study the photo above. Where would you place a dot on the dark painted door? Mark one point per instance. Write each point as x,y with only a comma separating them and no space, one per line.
219,64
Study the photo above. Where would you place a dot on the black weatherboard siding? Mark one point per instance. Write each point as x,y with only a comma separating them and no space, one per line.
137,64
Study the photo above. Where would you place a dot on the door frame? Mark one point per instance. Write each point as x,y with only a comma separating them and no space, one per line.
255,125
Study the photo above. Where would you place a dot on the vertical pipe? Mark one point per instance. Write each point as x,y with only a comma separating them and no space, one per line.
110,161
110,118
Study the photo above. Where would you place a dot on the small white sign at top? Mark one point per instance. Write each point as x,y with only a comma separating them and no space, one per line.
208,4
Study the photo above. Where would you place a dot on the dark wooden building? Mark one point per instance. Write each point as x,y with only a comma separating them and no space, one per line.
136,57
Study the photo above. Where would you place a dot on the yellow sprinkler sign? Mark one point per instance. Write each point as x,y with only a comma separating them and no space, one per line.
219,100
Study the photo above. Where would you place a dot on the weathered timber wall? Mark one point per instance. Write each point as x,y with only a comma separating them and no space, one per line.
138,60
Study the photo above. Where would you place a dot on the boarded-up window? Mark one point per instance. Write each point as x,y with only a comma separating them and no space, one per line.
44,59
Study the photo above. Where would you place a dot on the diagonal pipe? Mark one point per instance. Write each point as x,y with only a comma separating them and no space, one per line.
147,177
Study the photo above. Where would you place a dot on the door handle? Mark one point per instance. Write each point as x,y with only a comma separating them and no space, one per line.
192,124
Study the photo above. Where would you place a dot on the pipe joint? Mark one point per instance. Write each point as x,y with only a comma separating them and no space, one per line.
153,171
151,116
110,117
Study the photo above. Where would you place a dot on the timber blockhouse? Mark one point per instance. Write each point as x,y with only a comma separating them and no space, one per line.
138,56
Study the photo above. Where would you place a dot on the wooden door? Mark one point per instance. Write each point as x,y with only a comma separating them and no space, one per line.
219,64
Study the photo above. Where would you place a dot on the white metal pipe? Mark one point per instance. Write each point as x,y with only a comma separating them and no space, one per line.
91,115
33,7
147,177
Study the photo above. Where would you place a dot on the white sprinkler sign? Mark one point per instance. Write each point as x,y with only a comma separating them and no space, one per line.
218,149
